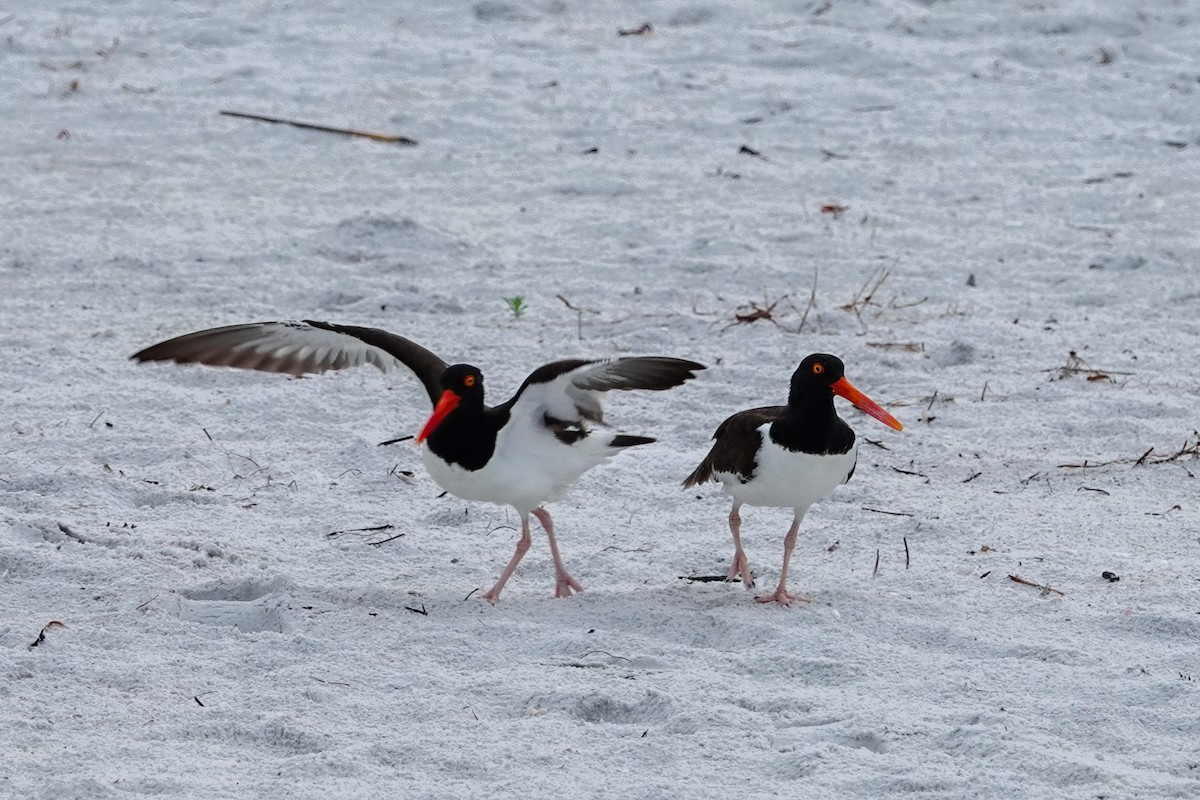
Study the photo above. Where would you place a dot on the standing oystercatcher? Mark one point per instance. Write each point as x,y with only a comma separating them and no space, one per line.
522,453
787,456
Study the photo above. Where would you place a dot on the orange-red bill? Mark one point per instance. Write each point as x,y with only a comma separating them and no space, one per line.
448,403
865,404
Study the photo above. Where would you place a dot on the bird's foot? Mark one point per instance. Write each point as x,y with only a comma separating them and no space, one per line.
740,568
492,595
565,584
783,597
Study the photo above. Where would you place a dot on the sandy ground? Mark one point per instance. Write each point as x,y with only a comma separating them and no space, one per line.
953,197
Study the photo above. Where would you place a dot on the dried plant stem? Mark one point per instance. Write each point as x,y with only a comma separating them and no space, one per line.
1044,588
1190,447
377,137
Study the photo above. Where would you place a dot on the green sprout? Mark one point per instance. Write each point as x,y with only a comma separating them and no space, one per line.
516,305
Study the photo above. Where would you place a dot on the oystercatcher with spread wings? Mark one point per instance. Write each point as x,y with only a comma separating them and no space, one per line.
522,453
787,456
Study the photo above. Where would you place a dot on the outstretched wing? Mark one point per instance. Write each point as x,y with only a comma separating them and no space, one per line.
299,348
570,391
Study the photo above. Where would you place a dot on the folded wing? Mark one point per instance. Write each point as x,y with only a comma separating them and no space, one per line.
735,446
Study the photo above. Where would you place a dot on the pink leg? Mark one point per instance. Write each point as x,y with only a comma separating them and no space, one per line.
781,594
492,595
564,583
740,565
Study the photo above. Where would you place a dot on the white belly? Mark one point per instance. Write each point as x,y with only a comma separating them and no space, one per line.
787,479
525,470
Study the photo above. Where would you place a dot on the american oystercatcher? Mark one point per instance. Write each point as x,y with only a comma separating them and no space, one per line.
522,453
787,456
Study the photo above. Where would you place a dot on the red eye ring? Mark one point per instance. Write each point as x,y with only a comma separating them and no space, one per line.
818,368
469,380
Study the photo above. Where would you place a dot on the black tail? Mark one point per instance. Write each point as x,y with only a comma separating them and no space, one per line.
623,440
700,474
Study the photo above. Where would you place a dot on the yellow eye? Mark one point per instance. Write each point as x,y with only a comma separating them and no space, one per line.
469,380
818,368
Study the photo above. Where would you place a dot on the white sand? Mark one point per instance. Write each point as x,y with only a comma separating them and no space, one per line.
219,643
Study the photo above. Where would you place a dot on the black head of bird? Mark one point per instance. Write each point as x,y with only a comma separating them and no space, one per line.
462,385
821,375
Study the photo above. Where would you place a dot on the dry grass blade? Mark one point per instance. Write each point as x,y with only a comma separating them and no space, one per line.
866,294
862,298
365,532
376,137
908,347
812,303
890,513
1043,587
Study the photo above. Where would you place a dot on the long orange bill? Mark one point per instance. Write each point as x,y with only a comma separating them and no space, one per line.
448,403
865,404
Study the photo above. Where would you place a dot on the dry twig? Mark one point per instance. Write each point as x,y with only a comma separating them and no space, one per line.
908,347
377,137
1044,588
374,529
579,312
397,439
864,296
641,30
812,303
892,513
1189,447
1077,366
42,634
753,312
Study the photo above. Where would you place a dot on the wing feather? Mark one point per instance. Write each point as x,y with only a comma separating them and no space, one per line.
300,348
570,390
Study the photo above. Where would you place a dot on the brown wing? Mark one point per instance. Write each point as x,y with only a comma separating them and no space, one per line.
736,447
299,348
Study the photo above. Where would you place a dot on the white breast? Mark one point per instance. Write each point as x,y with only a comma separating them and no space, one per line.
529,467
787,479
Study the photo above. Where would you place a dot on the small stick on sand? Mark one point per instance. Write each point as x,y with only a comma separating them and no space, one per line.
384,527
1189,448
578,314
377,137
397,439
892,513
1045,589
812,302
42,635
